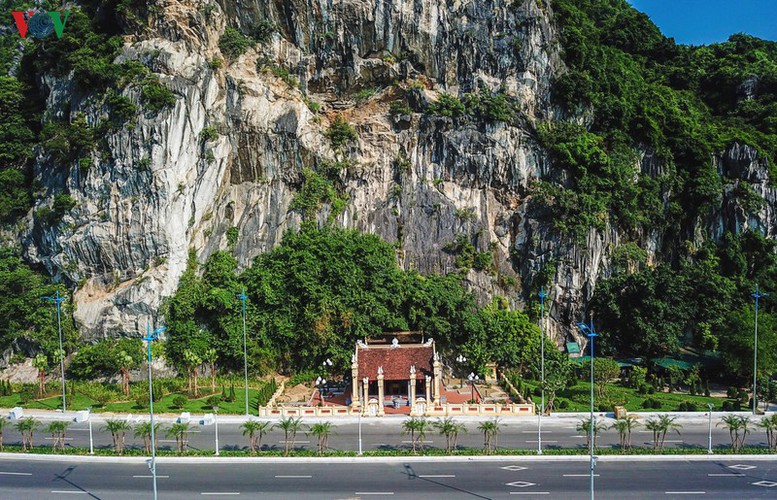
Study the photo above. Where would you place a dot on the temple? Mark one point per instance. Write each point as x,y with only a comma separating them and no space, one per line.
399,369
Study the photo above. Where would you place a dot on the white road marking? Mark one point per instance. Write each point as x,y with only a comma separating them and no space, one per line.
578,436
535,432
530,493
544,441
294,442
15,474
292,477
673,441
149,477
70,492
742,467
425,442
766,484
437,475
685,493
213,493
726,475
513,467
374,493
520,484
580,475
167,440
52,439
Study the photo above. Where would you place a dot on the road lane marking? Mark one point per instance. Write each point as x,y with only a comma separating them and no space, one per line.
766,484
150,476
425,442
530,493
292,477
70,492
374,493
293,442
535,432
685,493
726,475
15,474
513,467
214,493
520,484
545,441
437,475
742,467
580,475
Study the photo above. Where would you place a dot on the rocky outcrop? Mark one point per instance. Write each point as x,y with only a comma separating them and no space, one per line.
417,180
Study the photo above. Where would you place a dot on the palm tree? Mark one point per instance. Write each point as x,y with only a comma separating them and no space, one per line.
451,430
118,429
180,431
27,427
322,431
738,428
254,428
57,430
290,426
417,428
143,430
585,427
769,424
210,356
41,362
660,428
490,430
624,427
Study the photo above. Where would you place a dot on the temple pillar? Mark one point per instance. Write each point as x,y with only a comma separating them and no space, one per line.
428,389
411,394
354,379
381,410
437,379
366,390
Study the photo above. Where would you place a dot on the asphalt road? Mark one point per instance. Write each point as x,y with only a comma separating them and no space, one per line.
31,479
387,434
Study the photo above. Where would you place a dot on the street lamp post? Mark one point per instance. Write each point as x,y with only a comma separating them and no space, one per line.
321,382
91,440
242,296
461,359
472,379
150,337
58,301
216,424
591,334
757,295
542,296
709,430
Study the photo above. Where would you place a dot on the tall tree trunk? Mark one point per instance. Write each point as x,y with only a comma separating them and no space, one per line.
213,377
41,383
196,389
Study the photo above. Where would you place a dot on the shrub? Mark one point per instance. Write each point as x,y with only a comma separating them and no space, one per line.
141,403
400,108
732,392
179,401
447,105
156,96
232,235
687,406
233,43
564,404
213,400
742,397
340,132
651,403
208,134
262,31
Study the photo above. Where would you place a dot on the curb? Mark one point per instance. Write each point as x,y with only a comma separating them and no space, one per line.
405,459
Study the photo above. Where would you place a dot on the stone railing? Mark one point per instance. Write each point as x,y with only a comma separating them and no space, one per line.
419,409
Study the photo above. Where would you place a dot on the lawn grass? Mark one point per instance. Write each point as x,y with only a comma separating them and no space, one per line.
578,398
165,405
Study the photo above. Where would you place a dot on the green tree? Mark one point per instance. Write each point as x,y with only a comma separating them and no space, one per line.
290,427
736,346
256,431
143,430
605,371
41,363
584,426
210,356
118,429
660,427
27,427
490,430
624,426
450,429
58,429
322,431
180,431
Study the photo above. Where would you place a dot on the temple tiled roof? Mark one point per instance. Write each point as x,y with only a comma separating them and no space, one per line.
396,361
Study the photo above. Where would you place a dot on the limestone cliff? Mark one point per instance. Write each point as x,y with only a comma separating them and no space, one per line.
413,178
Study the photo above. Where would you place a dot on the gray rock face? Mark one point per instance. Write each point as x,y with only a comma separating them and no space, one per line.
416,180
